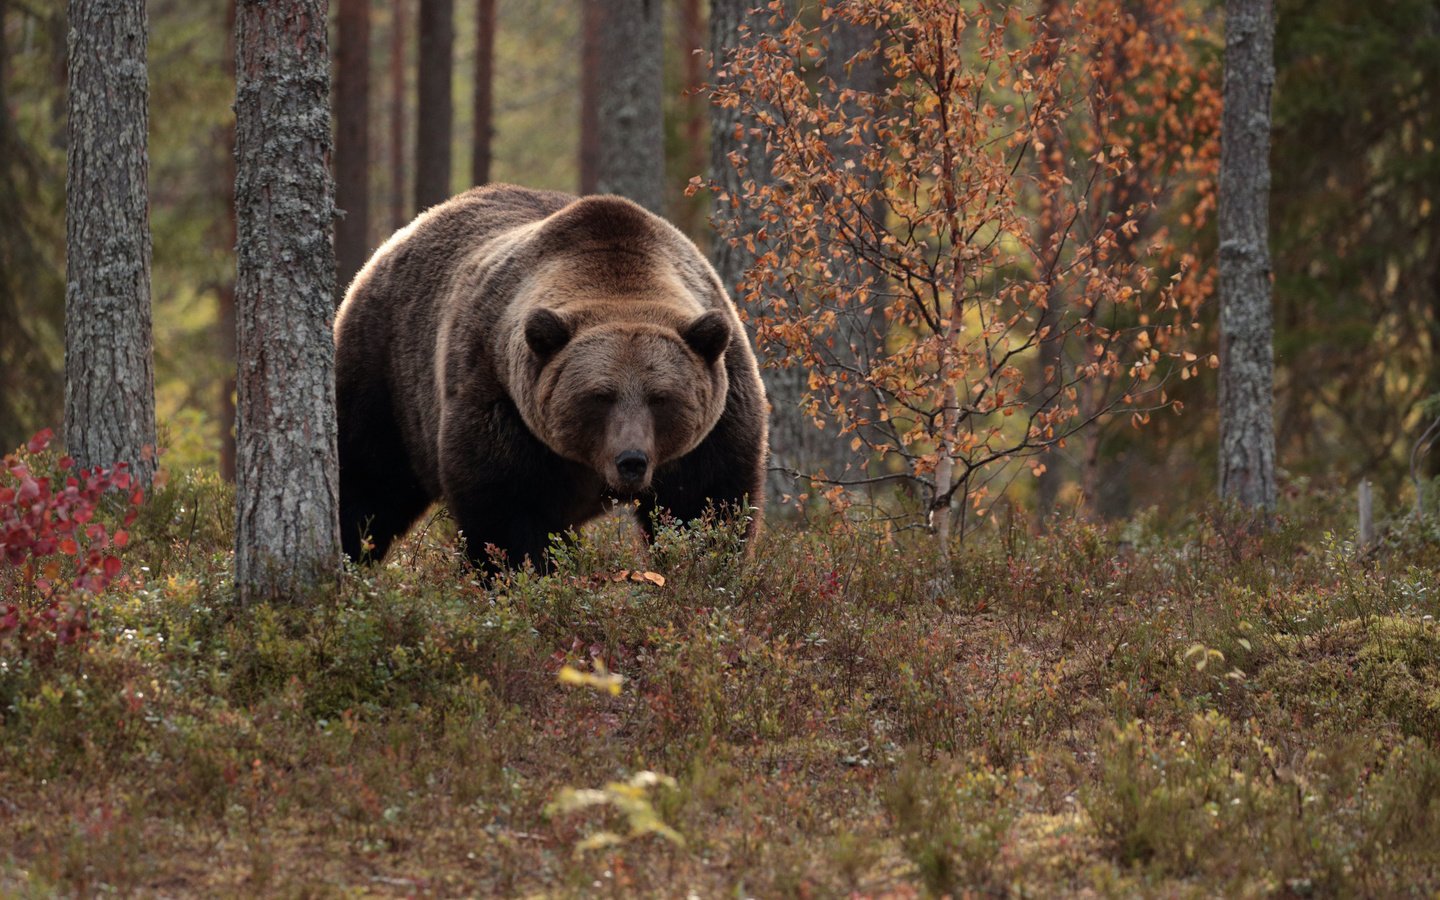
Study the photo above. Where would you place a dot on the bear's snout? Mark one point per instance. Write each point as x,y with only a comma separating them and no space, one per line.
632,466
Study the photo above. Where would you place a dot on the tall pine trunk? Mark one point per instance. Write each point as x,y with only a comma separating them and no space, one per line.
109,378
692,42
287,523
592,14
484,126
399,10
736,156
352,142
1247,364
435,114
631,125
225,327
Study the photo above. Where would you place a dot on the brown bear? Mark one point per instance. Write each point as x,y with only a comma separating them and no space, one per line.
532,358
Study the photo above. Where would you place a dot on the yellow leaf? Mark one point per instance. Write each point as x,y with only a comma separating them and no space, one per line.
599,680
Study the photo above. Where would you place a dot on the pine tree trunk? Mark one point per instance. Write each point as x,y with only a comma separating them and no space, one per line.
1049,362
732,143
225,331
287,523
434,116
109,379
352,142
631,125
592,15
398,97
692,40
484,127
859,331
1247,433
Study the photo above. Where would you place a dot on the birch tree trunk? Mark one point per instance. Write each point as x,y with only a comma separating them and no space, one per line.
434,116
287,523
1247,431
109,379
630,123
352,141
484,127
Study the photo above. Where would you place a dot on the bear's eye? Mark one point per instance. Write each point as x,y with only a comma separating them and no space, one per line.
659,401
603,398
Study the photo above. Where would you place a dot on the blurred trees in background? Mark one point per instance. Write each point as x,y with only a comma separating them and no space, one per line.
1356,232
353,160
1356,251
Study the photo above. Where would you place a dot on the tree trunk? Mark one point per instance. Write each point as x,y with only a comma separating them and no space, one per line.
225,331
592,15
484,129
109,379
398,95
287,523
434,117
692,41
352,142
1247,433
737,155
859,331
1049,361
631,125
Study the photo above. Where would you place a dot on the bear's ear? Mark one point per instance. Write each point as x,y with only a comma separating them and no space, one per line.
709,335
546,332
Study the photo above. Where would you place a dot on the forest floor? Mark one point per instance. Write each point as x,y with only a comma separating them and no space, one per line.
1099,711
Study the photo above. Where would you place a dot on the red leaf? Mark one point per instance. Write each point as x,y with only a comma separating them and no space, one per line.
69,547
120,538
40,441
112,566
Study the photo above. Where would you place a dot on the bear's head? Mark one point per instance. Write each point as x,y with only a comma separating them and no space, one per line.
626,397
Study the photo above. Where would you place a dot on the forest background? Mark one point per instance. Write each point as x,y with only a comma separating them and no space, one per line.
1355,230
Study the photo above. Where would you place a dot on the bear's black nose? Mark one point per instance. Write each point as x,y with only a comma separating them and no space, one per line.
632,464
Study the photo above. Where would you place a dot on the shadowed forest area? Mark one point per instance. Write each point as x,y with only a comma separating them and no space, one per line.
1102,531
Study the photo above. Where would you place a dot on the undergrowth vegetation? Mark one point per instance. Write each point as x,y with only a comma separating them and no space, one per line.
1210,710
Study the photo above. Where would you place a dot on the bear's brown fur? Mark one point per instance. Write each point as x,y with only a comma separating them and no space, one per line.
529,357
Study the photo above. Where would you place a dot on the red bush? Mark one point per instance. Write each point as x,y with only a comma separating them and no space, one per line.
56,549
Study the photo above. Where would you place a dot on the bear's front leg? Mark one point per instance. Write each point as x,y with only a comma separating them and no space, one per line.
506,490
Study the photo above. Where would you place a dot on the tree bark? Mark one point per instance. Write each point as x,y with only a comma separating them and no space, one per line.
225,331
287,523
860,330
109,378
631,125
399,10
592,15
484,127
1247,433
352,142
737,156
692,42
434,117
